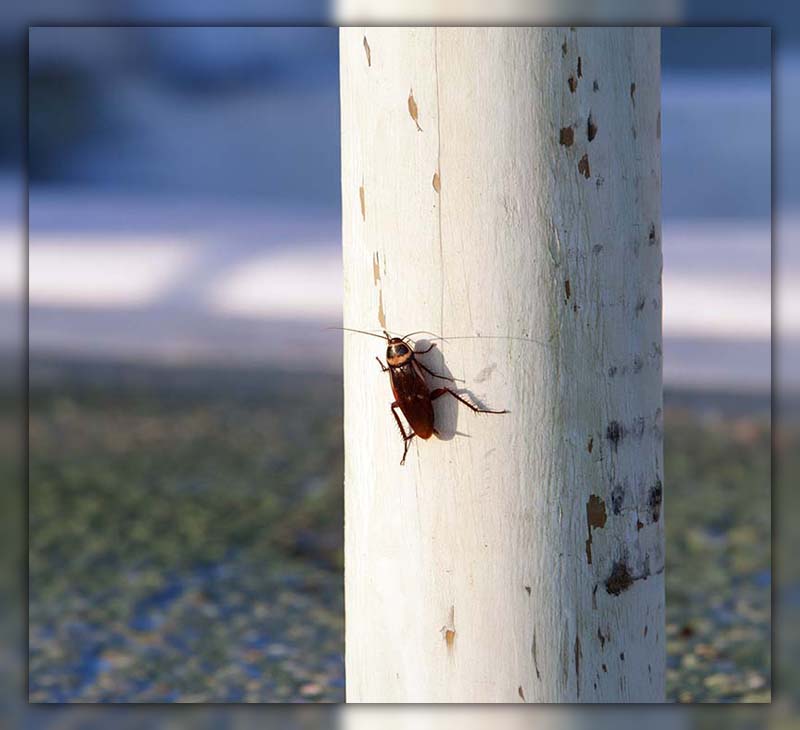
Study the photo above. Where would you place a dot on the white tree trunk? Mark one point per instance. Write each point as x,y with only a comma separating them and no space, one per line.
505,182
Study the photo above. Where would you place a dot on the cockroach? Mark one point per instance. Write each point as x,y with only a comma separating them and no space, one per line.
412,396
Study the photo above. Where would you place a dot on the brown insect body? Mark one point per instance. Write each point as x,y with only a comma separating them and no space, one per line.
411,392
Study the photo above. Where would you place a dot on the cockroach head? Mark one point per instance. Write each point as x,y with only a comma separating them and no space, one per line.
397,352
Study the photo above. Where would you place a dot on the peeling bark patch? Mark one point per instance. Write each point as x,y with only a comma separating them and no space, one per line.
566,136
583,166
413,110
567,291
381,313
578,664
614,433
367,52
595,518
655,499
633,93
580,68
535,657
572,82
521,693
363,203
591,127
590,445
436,182
620,579
448,631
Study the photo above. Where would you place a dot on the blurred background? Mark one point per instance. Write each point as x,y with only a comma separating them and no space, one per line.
183,545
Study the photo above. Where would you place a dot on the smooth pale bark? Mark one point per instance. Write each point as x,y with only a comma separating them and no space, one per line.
521,558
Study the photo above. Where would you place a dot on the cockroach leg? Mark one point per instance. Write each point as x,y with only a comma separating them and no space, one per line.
430,372
441,391
383,367
406,437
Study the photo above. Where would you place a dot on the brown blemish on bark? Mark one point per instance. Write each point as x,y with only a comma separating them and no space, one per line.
381,313
376,269
572,82
528,589
566,136
583,166
620,579
448,631
580,68
639,525
368,52
595,518
655,499
521,693
413,110
578,664
436,182
535,657
633,93
591,128
363,203
566,290
590,445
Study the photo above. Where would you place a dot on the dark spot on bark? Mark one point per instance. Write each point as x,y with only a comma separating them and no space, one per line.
622,656
655,499
617,499
645,629
591,127
612,371
521,693
368,52
597,248
535,657
639,525
614,432
583,166
528,589
566,136
633,131
620,579
572,82
567,291
575,307
594,597
590,445
640,304
601,637
633,92
595,86
580,68
564,48
578,664
651,238
605,668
